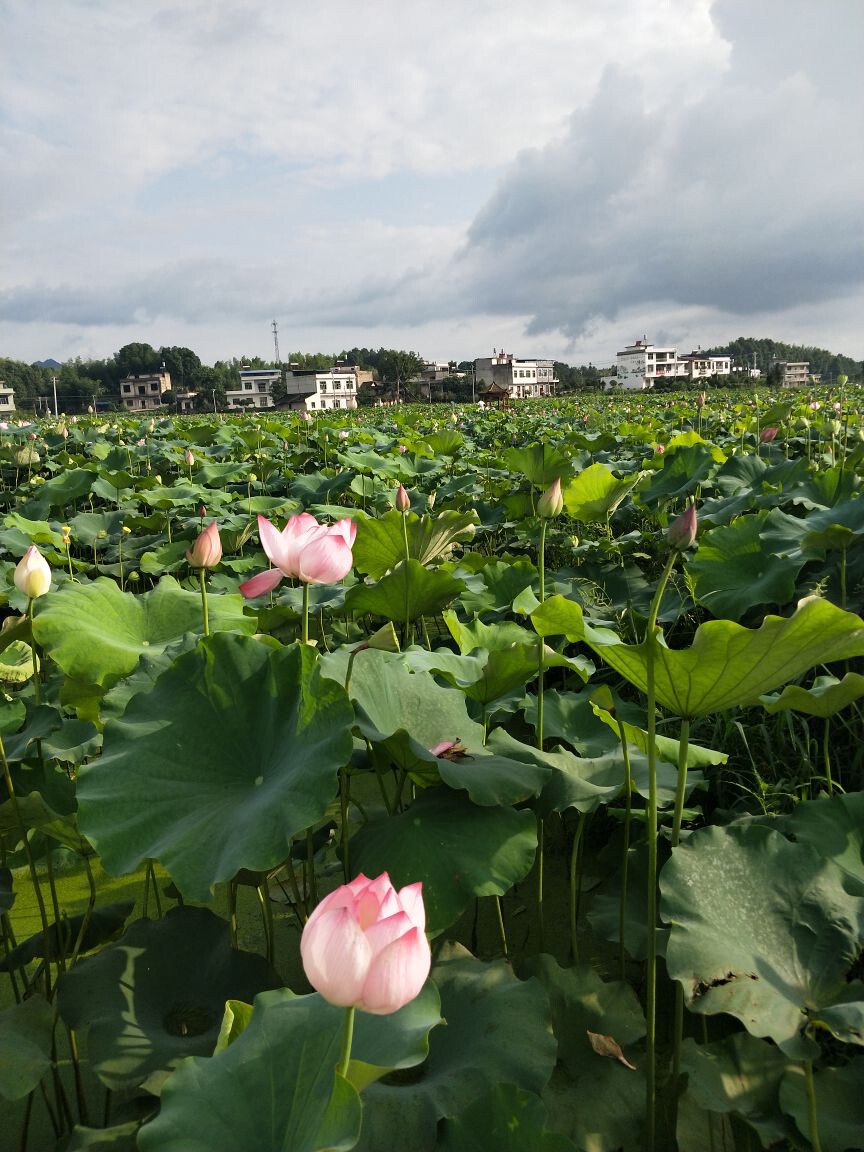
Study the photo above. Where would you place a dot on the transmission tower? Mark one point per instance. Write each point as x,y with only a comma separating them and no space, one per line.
275,328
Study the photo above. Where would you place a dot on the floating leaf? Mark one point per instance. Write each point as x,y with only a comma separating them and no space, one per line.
233,752
159,993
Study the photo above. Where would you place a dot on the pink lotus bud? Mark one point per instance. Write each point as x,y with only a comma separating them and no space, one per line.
343,435
403,502
403,448
189,458
660,449
551,503
202,511
206,552
837,405
767,435
365,947
700,400
815,405
681,533
32,574
89,409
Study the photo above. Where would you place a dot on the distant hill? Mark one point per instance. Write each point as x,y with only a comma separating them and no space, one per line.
47,364
747,349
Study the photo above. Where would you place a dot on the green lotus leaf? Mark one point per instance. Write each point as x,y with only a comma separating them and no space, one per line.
682,472
739,1075
275,1089
727,664
407,593
16,663
457,849
762,929
838,527
733,570
117,1138
102,924
234,751
542,464
446,442
497,1033
839,1103
834,826
26,1032
505,1118
158,994
35,813
667,748
380,544
595,492
97,633
826,697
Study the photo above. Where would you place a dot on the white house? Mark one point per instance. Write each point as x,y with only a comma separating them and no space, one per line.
7,399
518,379
144,391
641,365
323,389
255,388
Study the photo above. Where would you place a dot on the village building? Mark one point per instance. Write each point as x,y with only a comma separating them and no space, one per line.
325,389
7,399
255,388
503,377
641,365
144,392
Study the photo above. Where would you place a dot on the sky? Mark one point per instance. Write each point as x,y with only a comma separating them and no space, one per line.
553,178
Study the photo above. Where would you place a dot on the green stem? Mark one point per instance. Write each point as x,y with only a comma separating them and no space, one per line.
347,1036
37,663
541,658
625,858
651,827
203,582
826,755
344,786
575,853
502,931
812,1112
305,613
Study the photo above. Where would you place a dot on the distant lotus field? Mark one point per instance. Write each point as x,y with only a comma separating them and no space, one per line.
435,778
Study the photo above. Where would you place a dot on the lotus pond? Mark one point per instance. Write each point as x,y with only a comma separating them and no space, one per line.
590,671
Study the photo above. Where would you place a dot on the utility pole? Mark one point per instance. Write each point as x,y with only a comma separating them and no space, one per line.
54,382
275,328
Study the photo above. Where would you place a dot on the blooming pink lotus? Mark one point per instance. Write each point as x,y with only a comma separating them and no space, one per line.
206,552
304,549
365,946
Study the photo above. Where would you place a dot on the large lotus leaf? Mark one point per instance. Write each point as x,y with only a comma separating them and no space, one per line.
505,1118
380,544
762,929
117,1138
667,748
457,849
727,664
158,994
68,486
35,813
497,1033
733,571
825,698
839,1104
502,584
838,527
97,633
570,716
62,936
606,1113
275,1089
407,593
834,826
542,464
594,494
234,750
739,1075
447,442
682,472
26,1032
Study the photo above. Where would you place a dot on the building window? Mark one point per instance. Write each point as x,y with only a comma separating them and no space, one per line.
311,403
248,387
337,403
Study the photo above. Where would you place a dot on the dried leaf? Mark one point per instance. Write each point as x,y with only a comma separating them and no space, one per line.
608,1046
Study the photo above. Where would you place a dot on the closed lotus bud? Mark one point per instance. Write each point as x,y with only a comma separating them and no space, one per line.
403,502
767,435
189,458
32,574
206,552
700,401
681,533
551,503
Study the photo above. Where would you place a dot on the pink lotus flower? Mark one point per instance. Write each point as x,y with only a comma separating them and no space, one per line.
32,574
767,435
681,533
206,552
365,947
304,549
403,502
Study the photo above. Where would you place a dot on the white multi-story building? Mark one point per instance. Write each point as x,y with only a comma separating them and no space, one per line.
255,388
322,389
516,379
7,399
794,373
144,392
641,365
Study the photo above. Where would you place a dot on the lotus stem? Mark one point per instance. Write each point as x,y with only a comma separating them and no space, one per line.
347,1037
625,858
305,636
575,855
202,580
651,971
826,754
344,787
812,1111
541,658
502,931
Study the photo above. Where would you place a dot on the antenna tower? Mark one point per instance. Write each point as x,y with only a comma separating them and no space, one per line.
275,328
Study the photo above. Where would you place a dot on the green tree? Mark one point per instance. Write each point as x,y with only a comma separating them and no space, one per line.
135,359
399,373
